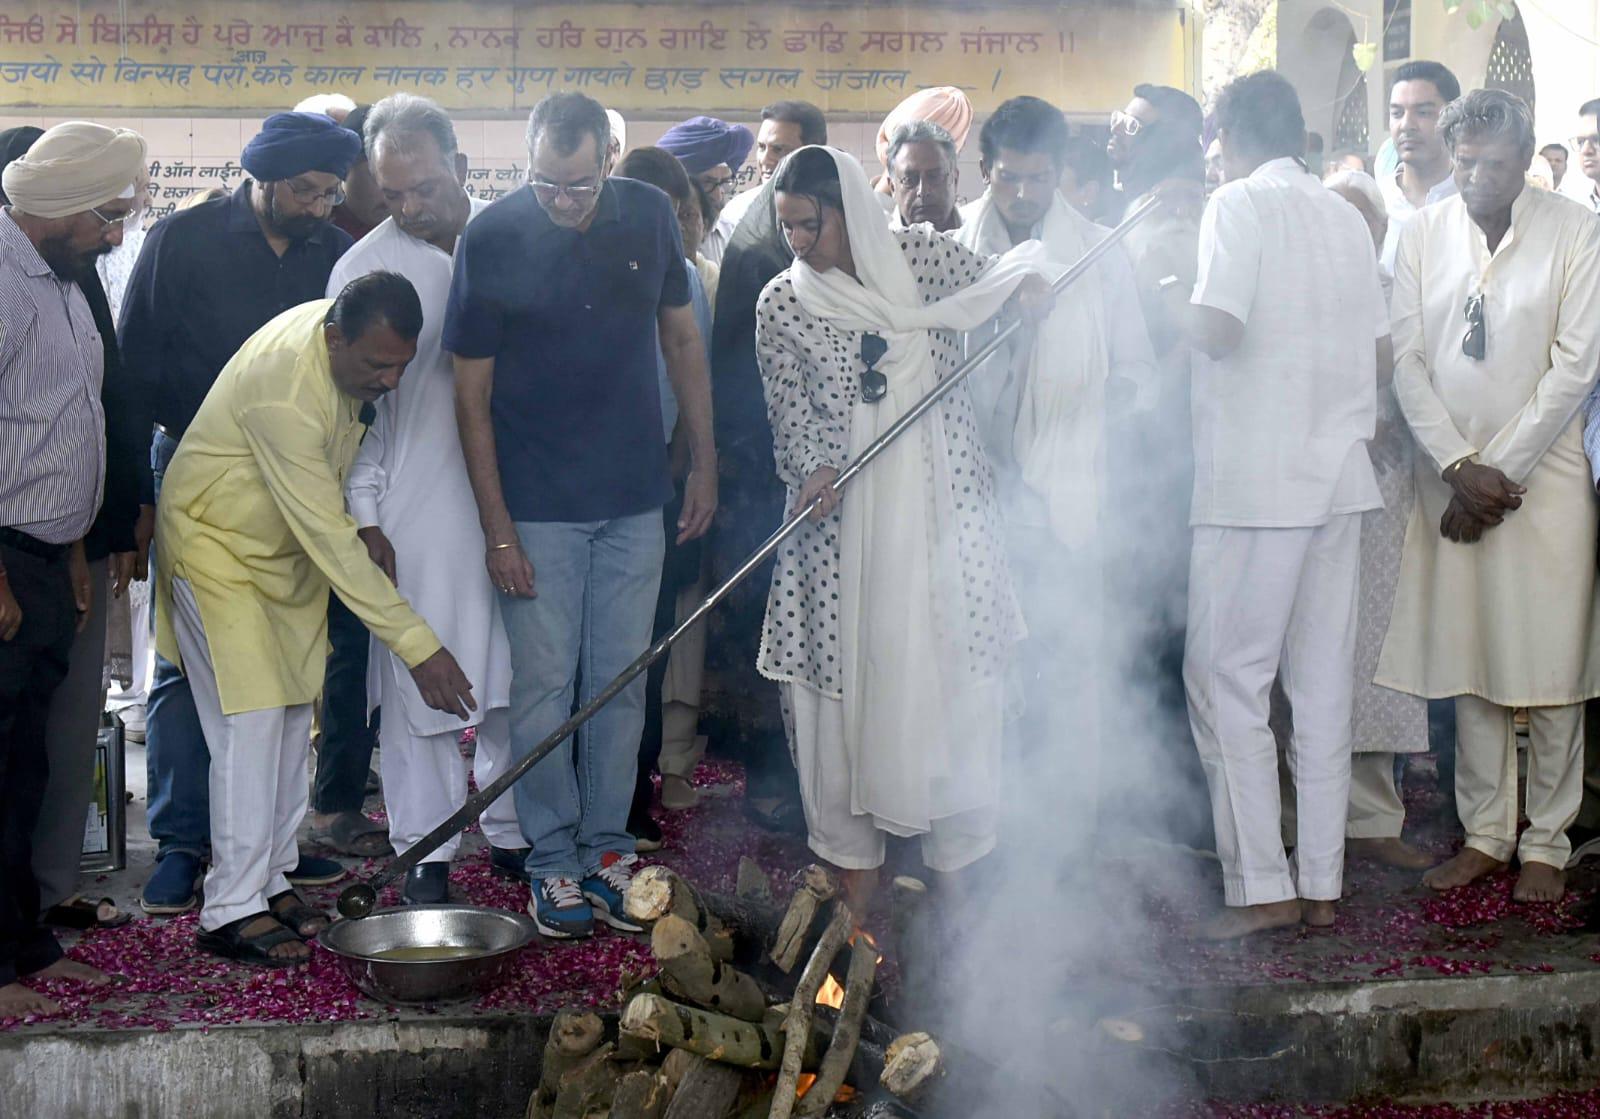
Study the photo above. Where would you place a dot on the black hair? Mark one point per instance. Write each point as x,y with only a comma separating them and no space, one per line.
1422,70
566,118
377,297
813,125
1261,114
1562,148
708,209
1087,160
811,173
1025,124
356,121
1590,108
660,168
1174,105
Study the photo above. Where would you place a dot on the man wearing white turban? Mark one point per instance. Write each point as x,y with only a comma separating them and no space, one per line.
70,195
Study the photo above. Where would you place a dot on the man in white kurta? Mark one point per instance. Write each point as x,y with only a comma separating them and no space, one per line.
1041,409
408,491
1497,336
1290,311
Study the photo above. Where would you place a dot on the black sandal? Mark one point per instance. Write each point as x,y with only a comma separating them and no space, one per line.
787,817
294,914
81,914
230,943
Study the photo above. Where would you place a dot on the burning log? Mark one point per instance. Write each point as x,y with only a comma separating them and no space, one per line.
912,1065
846,1032
708,1090
815,886
797,1023
641,1094
689,971
715,1036
574,1035
588,1086
656,892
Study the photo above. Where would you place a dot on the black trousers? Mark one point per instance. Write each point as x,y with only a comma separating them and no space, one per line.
32,666
345,755
680,568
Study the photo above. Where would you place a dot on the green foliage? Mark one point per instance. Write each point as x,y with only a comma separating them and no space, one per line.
1479,12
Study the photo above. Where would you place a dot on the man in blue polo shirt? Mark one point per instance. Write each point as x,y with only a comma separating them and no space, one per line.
560,293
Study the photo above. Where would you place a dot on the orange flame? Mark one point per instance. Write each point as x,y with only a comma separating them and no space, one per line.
831,993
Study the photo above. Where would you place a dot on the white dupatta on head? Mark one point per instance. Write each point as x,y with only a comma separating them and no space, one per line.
923,708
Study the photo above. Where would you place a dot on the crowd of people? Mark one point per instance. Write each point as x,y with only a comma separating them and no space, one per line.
402,464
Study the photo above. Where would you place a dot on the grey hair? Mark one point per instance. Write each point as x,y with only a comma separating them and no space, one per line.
567,117
920,132
401,116
1488,112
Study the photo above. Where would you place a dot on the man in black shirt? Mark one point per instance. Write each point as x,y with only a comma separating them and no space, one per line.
207,278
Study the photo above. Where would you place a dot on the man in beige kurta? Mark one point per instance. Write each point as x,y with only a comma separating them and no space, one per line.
1496,603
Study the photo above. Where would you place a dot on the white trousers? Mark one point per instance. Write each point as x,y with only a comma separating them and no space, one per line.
425,777
1486,779
1376,810
258,784
1265,601
815,725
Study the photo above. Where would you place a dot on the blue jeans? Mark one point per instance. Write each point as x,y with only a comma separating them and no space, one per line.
177,763
597,584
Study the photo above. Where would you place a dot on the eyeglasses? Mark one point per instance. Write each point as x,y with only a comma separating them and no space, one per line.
310,196
1589,141
549,192
716,186
1475,343
913,181
1125,123
874,385
128,221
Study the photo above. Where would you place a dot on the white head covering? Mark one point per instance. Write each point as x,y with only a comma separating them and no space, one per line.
619,129
74,167
335,106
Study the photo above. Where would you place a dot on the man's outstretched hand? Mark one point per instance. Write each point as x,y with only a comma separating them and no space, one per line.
444,687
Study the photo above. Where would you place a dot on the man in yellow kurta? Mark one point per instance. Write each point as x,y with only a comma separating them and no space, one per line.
253,532
1497,339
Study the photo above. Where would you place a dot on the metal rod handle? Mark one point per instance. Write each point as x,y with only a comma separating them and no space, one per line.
358,899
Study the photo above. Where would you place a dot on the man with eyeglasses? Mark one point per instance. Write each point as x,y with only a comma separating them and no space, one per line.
1418,96
1041,413
1497,340
711,151
921,161
207,279
1585,188
69,197
560,295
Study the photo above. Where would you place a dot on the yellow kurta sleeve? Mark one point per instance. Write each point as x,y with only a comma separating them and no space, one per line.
290,452
1574,362
1413,385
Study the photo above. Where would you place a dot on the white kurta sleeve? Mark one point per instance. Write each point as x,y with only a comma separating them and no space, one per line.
368,480
1413,386
1518,446
1128,349
1230,255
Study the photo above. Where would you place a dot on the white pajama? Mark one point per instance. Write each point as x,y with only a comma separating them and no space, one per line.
1265,602
853,841
425,777
258,782
1486,779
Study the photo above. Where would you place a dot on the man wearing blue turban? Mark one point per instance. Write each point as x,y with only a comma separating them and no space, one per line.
712,151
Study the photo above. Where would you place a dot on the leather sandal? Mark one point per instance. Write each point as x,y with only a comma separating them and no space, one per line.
294,914
230,943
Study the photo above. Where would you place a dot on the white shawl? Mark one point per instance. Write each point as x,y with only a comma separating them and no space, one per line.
922,719
1055,433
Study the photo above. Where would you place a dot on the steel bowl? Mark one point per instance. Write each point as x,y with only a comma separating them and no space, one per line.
495,936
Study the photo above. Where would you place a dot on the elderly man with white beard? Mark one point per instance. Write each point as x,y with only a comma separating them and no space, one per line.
408,492
1041,414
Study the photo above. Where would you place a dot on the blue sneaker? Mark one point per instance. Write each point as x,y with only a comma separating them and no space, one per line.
559,910
314,870
605,889
171,888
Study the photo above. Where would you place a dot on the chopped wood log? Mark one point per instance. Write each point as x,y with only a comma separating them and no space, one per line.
676,1066
688,971
815,886
657,891
573,1036
846,1032
715,1036
708,1090
587,1086
912,1065
797,1023
641,1094
753,883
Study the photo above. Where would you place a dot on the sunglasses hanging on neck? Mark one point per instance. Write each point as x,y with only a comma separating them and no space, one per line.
874,385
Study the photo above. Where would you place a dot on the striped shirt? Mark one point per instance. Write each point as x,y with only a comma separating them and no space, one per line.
52,427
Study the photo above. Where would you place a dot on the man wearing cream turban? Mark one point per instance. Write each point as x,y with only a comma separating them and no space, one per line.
944,105
69,197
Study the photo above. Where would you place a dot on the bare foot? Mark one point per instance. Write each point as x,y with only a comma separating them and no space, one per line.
1388,851
1540,882
1468,865
1318,914
65,968
1236,921
17,1001
860,891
